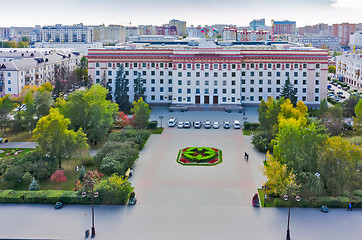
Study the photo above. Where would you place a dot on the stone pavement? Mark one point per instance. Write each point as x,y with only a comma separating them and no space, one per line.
18,145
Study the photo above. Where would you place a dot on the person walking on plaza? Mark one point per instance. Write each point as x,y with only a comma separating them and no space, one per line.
349,207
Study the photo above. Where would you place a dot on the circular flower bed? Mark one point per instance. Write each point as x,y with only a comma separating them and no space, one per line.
199,156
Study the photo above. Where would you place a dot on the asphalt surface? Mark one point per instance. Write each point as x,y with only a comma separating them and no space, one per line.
186,202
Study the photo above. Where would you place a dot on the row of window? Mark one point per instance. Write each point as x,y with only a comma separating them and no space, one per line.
215,65
251,81
269,90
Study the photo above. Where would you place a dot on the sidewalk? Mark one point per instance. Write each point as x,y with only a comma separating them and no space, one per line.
18,145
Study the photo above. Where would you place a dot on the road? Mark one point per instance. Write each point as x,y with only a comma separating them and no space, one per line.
186,202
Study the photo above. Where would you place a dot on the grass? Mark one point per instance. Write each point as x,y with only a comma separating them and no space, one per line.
12,150
156,130
248,132
269,200
24,136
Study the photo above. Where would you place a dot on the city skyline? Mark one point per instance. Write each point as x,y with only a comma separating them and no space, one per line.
201,12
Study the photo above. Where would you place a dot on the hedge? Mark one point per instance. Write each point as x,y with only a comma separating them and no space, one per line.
251,126
316,202
48,197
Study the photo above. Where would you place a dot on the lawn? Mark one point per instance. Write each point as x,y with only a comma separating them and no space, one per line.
249,132
12,152
269,200
156,130
24,136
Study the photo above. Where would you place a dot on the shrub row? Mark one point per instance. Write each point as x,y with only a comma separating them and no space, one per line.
316,202
51,197
199,157
251,126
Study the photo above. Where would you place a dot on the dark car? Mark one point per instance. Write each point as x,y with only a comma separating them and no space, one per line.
226,125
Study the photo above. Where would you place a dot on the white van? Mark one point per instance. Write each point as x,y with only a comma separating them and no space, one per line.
237,124
172,122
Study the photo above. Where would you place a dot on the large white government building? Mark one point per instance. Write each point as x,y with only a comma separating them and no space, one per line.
215,75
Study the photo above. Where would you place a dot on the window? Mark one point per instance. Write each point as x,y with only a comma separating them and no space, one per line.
126,64
295,65
278,81
233,74
251,74
161,81
189,90
224,99
242,81
97,73
188,82
224,90
260,74
242,98
153,65
316,90
170,73
188,99
188,65
233,82
9,89
207,66
206,82
269,90
179,74
179,82
278,89
260,65
206,74
9,81
224,82
287,65
251,89
135,73
243,74
233,66
304,98
144,73
252,65
198,65
278,65
251,81
161,89
243,65
269,81
144,65
179,90
97,64
304,65
215,83
269,65
152,89
233,91
197,74
170,65
197,90
296,90
317,74
316,82
242,89
287,74
153,73
317,65
188,74
304,90
304,74
251,98
206,91
179,99
161,65
126,72
216,66
179,66
224,74
316,99
260,98
269,74
260,81
233,99
169,89
215,74
170,81
197,82
135,65
260,89
153,81
304,82
161,73
161,97
224,66
278,74
295,74
295,81
215,91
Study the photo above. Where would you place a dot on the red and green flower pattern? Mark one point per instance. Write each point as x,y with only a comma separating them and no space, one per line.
195,156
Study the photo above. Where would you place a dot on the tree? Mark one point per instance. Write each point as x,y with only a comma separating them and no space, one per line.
141,112
25,39
358,118
6,106
332,119
332,69
82,71
138,88
339,164
114,190
34,185
90,111
58,176
120,92
279,176
350,104
288,92
55,140
22,44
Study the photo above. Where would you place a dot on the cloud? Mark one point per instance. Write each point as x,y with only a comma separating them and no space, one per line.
348,4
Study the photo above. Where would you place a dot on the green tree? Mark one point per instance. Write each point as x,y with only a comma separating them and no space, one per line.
120,92
34,185
55,140
138,88
90,111
358,118
350,104
22,44
114,190
141,112
332,119
82,72
6,106
25,39
332,69
288,92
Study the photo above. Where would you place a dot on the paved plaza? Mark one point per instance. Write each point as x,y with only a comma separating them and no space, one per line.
186,202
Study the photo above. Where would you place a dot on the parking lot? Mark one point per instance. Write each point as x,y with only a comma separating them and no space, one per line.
337,93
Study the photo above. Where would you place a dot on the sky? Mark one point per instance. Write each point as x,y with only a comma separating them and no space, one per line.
194,12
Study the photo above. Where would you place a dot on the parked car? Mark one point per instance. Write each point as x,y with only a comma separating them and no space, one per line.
197,124
216,125
339,86
207,124
226,125
237,124
180,125
187,124
172,122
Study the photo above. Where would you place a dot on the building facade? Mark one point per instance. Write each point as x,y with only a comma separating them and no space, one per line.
33,70
74,33
349,69
215,75
329,42
343,31
180,25
285,27
356,40
252,36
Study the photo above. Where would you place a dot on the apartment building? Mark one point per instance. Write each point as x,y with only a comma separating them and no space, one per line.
33,70
215,75
74,33
343,31
349,69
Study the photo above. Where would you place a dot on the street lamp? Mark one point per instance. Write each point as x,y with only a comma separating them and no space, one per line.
160,117
93,195
286,197
76,169
265,187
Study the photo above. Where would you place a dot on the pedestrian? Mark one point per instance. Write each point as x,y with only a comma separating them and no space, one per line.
244,113
349,207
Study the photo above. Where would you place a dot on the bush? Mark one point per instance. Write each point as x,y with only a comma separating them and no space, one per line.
27,178
114,190
152,124
110,166
358,193
34,185
251,126
345,194
87,161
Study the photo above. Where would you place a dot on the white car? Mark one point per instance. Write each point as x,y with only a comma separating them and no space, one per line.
226,125
187,124
207,124
172,122
237,124
197,124
180,124
216,125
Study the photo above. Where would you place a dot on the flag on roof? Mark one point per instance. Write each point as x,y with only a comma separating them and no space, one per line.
215,30
202,30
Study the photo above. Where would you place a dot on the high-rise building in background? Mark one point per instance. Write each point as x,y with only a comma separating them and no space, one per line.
180,25
74,33
356,40
112,33
257,24
285,27
343,31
